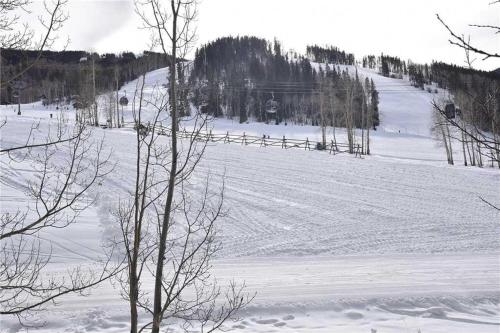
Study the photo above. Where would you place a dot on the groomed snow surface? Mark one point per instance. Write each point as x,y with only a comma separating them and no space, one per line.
396,242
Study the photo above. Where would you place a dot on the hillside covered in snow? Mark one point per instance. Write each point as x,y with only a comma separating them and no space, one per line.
397,241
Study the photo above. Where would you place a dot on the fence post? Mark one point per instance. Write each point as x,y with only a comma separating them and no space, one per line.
226,139
307,144
283,144
244,140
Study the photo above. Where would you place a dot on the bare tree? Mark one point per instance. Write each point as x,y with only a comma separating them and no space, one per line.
333,112
108,106
483,144
473,138
168,228
466,125
322,111
66,165
442,131
348,114
369,87
465,43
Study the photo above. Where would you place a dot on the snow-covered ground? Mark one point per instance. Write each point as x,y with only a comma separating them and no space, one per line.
395,242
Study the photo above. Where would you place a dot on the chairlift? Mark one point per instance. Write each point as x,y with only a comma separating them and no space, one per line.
123,101
271,106
203,108
450,111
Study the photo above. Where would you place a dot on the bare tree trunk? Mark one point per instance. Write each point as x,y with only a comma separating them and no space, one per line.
322,116
468,150
139,209
157,303
117,113
348,115
96,117
164,206
480,155
334,124
473,149
363,111
445,142
463,149
368,126
450,145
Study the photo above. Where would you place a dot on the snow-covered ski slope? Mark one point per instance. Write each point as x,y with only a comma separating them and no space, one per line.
405,113
395,242
404,109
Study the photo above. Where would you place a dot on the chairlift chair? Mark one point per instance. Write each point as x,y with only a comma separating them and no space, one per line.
123,101
271,106
449,111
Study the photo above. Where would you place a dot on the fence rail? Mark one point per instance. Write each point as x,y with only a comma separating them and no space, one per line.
333,147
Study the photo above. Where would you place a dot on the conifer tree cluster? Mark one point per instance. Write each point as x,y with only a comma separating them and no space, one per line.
419,75
329,55
386,65
56,76
248,77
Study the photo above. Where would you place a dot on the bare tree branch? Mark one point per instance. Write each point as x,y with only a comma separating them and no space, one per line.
462,43
489,204
55,198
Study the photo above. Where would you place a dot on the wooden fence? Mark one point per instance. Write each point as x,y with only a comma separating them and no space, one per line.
332,147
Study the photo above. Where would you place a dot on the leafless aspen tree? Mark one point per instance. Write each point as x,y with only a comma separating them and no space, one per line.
322,112
369,115
348,115
168,227
66,165
442,132
333,109
109,108
483,144
475,141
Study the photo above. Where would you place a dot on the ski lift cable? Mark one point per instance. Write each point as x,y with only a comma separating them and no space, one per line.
288,90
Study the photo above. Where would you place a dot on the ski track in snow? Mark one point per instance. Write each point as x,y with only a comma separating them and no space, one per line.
398,241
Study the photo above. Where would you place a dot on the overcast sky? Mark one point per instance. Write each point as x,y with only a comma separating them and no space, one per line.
404,28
